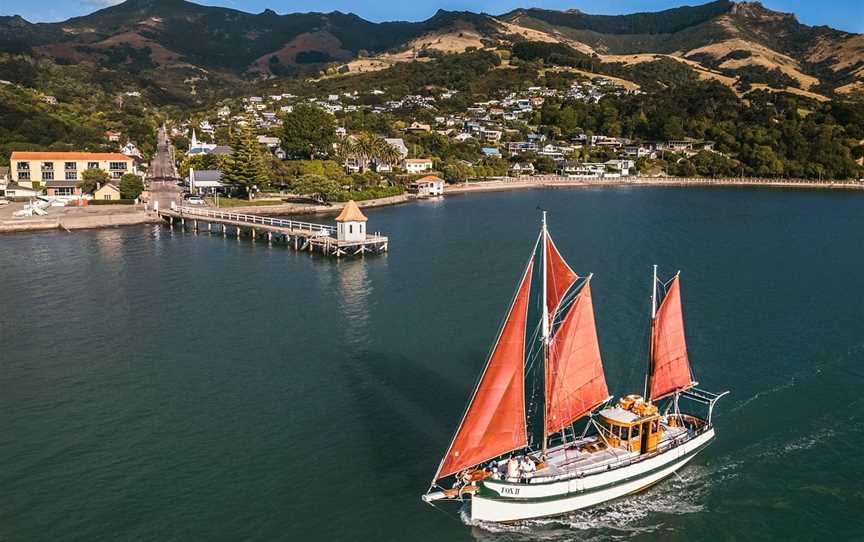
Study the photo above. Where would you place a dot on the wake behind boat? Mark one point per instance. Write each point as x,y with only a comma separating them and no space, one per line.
623,448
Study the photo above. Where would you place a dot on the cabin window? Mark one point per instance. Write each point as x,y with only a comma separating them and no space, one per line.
350,228
635,433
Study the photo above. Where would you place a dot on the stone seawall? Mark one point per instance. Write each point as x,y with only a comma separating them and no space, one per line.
77,222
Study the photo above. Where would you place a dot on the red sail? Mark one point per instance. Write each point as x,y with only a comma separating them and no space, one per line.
559,276
670,366
575,382
494,423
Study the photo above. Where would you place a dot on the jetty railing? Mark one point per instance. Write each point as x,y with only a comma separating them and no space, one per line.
321,229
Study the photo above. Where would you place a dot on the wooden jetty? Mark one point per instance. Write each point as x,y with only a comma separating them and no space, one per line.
329,240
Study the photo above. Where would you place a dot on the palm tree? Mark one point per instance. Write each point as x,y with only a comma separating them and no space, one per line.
343,149
387,153
365,148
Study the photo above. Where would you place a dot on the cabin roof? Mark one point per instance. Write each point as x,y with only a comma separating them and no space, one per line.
351,213
619,415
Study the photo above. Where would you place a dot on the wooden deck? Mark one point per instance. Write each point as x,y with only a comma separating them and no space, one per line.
299,235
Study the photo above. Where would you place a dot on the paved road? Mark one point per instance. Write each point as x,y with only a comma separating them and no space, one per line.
162,177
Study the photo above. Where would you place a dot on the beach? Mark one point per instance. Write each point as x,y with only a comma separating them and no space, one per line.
110,216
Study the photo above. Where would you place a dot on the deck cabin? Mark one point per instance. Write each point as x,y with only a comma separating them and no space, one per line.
633,424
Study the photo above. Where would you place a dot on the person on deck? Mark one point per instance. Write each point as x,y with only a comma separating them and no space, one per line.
527,467
493,470
512,470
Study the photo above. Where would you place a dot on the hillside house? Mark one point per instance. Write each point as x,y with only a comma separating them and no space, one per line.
399,144
584,169
619,167
519,169
131,150
417,128
417,165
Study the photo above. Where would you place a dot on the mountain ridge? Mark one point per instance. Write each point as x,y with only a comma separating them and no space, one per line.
739,41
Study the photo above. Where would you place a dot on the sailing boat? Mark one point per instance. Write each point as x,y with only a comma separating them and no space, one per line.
624,447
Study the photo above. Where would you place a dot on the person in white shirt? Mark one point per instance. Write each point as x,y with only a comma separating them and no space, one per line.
512,470
527,467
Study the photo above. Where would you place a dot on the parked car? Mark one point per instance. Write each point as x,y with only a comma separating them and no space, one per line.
4,201
195,200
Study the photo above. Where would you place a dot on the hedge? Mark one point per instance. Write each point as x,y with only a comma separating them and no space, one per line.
111,202
371,193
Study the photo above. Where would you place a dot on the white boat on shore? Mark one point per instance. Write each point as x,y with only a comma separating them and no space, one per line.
618,449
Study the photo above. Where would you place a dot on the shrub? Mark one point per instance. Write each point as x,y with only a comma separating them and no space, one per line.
371,193
111,202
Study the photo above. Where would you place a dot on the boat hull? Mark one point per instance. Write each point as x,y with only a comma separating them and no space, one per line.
503,502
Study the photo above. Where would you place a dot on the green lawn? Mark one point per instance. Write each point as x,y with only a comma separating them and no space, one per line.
234,202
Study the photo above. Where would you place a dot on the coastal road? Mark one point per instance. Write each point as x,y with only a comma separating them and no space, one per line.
162,178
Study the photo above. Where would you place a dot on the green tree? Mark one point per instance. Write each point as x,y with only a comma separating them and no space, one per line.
246,168
456,172
545,164
91,179
308,131
203,161
131,186
317,187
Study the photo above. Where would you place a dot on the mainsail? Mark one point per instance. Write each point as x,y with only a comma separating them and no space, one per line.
575,382
670,366
560,277
494,423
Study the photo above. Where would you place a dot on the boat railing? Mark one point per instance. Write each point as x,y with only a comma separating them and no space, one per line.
674,442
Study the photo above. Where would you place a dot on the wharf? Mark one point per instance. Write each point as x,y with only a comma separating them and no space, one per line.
298,235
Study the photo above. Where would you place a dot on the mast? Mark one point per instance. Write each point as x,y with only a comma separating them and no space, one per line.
651,335
545,323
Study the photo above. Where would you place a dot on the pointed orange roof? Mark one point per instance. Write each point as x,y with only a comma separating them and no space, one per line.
351,213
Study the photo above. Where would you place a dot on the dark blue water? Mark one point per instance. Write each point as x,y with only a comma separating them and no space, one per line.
159,385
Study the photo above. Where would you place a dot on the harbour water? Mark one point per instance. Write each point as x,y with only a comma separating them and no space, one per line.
162,385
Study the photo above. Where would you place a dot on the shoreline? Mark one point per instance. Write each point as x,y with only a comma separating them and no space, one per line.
71,223
113,219
512,183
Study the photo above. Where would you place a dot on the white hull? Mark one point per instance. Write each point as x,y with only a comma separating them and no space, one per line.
526,501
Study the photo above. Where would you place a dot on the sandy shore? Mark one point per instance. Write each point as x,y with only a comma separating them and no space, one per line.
112,216
565,182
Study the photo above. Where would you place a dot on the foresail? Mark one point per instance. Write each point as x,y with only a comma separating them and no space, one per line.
670,365
560,276
575,382
494,423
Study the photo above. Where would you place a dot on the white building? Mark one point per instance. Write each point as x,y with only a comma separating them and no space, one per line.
205,181
130,150
399,144
427,186
417,165
622,167
199,147
351,223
